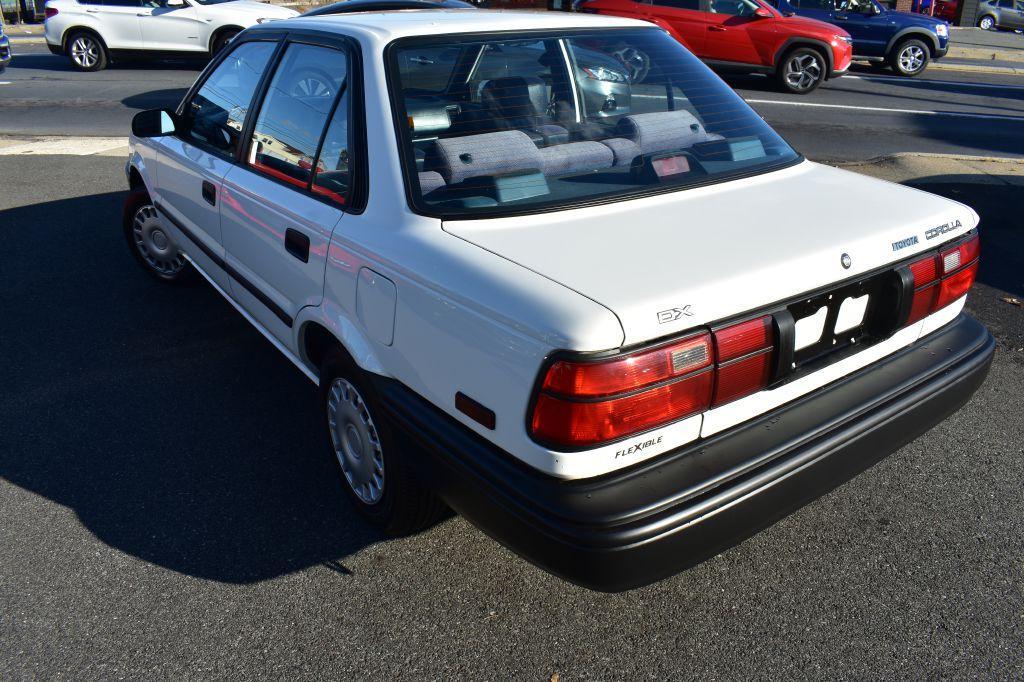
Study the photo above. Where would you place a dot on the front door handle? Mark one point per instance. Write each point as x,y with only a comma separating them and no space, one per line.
720,29
209,193
296,244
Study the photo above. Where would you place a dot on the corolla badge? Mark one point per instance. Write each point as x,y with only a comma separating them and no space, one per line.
846,261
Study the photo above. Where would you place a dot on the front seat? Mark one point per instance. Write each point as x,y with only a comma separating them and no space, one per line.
520,103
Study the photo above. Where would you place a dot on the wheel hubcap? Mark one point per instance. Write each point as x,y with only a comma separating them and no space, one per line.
85,51
803,71
355,441
911,58
153,244
986,23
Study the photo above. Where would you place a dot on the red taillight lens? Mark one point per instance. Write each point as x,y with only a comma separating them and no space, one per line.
628,373
941,279
51,12
744,358
578,424
584,403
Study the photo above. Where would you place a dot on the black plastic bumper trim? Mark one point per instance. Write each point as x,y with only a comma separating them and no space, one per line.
631,528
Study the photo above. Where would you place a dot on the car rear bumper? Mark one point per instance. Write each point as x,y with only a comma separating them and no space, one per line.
633,527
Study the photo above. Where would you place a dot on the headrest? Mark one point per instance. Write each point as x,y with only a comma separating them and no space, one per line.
474,156
662,130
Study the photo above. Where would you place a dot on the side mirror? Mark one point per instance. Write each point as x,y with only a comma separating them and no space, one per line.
154,123
763,12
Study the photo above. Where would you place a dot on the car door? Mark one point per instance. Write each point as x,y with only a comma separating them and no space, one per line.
1016,15
119,23
282,202
870,28
172,25
728,37
685,17
191,165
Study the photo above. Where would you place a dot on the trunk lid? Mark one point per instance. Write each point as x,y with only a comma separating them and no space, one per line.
675,261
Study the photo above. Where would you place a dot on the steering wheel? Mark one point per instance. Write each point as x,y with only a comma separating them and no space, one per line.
637,63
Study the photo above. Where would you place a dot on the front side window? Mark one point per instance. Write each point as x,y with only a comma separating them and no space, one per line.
299,101
738,8
534,122
216,115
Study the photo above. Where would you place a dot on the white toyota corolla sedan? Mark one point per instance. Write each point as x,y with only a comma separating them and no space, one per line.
549,270
92,33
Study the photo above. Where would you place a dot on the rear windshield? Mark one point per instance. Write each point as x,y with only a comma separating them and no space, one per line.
510,124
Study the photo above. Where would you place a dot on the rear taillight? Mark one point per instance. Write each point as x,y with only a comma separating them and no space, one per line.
941,279
586,402
51,12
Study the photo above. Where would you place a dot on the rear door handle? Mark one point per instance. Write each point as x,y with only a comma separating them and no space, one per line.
297,244
720,29
92,11
209,193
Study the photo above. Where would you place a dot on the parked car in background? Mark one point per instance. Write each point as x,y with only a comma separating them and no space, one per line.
903,41
91,33
1001,15
744,36
348,6
550,270
5,47
946,10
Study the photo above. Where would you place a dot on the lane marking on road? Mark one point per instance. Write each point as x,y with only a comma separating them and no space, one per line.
919,112
5,82
915,83
71,146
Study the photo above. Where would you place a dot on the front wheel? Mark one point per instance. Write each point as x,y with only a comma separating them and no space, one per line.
802,70
987,22
86,52
148,240
375,474
223,38
910,58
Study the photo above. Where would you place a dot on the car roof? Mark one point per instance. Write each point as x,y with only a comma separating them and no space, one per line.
383,27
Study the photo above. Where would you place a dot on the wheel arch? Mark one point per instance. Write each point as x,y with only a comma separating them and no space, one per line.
81,28
219,31
798,42
909,34
318,335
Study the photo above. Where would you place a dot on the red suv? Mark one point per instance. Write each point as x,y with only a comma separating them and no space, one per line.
745,35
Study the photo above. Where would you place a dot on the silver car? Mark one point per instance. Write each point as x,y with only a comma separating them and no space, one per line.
1001,14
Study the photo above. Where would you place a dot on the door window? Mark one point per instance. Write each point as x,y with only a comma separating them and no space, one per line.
216,115
738,8
298,103
679,4
333,171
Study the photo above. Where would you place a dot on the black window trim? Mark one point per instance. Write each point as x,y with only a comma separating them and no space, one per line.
406,155
356,197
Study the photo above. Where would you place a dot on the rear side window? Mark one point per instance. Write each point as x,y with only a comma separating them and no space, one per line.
532,122
216,115
295,111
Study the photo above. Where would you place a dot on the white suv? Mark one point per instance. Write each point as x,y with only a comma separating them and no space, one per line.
92,32
551,270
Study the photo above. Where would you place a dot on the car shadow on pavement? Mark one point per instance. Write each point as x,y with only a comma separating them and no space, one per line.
55,62
173,430
168,98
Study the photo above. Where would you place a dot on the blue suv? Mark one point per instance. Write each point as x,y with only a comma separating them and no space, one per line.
902,41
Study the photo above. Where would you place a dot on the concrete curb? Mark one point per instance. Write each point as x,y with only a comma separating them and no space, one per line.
27,40
986,54
977,68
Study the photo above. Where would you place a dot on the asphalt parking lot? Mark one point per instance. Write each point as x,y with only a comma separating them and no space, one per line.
165,509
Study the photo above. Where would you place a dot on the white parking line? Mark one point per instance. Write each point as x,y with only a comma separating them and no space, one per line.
73,146
963,84
919,112
5,82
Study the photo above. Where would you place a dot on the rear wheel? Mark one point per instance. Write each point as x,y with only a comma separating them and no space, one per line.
87,52
802,70
148,240
987,22
910,58
375,474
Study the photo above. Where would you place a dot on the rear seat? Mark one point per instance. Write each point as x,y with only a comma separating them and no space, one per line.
453,160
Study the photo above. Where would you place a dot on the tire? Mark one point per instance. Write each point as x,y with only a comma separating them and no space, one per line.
375,475
802,70
148,242
987,22
910,58
222,40
86,51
